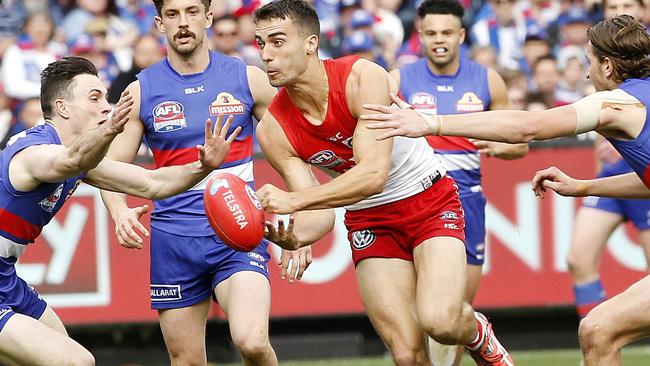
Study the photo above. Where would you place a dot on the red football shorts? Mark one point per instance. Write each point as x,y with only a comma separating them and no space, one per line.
393,230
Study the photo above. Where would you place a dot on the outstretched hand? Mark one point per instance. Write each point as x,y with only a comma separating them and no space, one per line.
120,115
554,179
217,143
400,118
127,221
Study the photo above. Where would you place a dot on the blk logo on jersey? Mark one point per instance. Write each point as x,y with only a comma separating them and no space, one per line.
226,103
48,203
363,239
424,102
168,116
470,103
194,90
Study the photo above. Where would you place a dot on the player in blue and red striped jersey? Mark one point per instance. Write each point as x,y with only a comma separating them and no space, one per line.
189,263
445,81
619,66
39,170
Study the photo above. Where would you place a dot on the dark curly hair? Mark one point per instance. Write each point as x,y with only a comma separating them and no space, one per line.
625,41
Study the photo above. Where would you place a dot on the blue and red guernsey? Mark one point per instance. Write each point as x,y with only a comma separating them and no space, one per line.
174,109
637,152
467,91
23,214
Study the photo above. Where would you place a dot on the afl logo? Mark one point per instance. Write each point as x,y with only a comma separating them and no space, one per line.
363,239
424,102
168,116
326,158
253,197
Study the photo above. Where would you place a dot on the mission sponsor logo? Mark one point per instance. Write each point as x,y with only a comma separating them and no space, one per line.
470,103
226,103
168,116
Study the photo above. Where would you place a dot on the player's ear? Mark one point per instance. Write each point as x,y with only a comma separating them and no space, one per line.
159,24
61,108
311,44
209,17
462,33
607,67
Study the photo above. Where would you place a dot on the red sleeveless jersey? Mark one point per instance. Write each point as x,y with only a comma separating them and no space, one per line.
329,144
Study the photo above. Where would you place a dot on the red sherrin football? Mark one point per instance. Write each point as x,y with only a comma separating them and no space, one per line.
234,212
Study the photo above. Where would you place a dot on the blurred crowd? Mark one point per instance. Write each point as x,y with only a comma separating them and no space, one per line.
537,45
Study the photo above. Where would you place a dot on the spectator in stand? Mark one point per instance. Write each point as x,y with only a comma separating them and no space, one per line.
249,51
545,12
485,55
138,12
546,77
573,25
505,29
536,102
120,34
362,44
29,115
12,17
147,51
535,46
518,98
572,81
23,62
225,36
360,20
635,8
6,117
86,45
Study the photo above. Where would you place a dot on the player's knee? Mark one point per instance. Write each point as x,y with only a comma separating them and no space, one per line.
405,356
251,346
594,335
576,263
442,324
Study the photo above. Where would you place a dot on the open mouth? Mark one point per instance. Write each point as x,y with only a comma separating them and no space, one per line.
440,50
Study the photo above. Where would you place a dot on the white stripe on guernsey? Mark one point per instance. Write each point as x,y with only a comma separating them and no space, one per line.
460,161
10,248
243,171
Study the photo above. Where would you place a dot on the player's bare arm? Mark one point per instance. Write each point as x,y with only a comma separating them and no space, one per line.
125,148
54,163
500,101
594,112
626,186
368,83
261,90
308,226
166,181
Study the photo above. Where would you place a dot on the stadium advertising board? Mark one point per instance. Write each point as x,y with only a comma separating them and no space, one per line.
79,267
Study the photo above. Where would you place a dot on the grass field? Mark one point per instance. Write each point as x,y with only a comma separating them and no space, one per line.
632,356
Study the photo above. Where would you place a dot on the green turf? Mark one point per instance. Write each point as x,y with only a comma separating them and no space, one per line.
632,356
